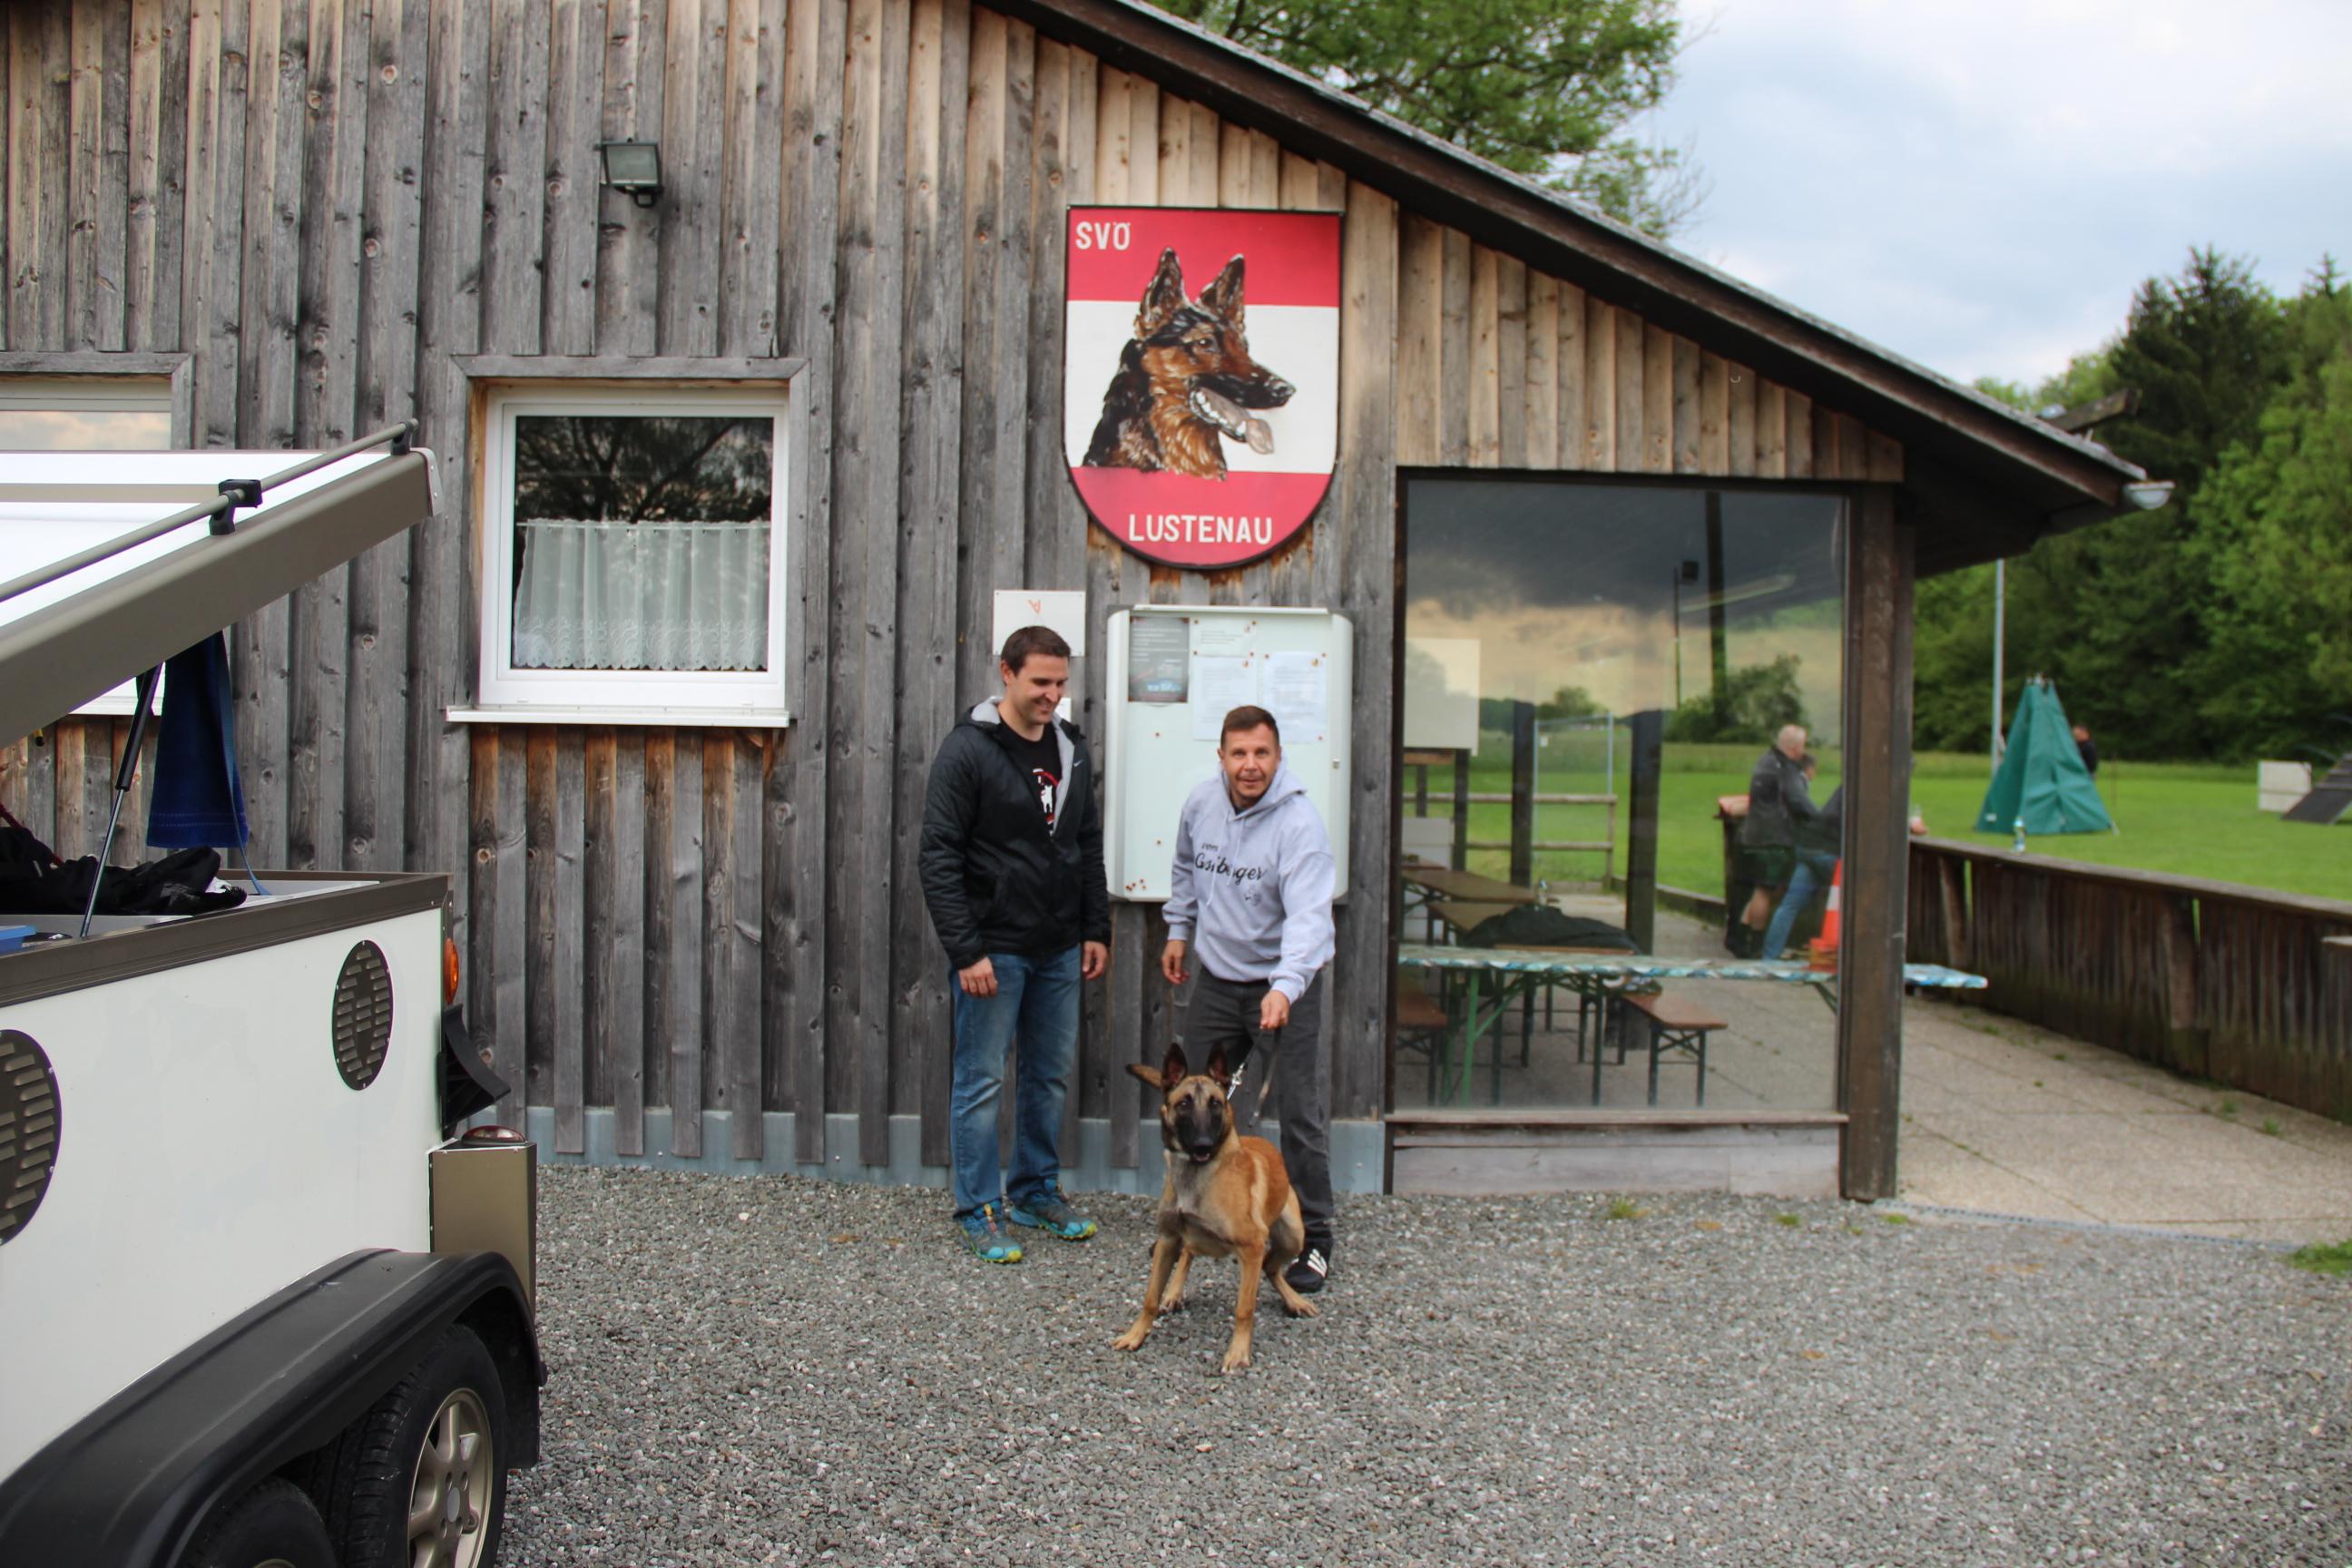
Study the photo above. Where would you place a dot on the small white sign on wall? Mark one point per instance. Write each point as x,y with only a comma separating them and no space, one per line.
1064,610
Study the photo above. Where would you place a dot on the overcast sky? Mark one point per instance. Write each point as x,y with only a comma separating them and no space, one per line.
1979,185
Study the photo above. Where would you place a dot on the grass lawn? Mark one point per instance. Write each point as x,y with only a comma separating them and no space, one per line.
2186,819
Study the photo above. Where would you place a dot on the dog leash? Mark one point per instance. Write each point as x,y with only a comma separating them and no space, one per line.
1265,1083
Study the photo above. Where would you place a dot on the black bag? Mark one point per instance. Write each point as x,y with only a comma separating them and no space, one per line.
34,881
1541,925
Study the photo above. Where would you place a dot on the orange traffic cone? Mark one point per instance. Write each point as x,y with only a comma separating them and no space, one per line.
1823,949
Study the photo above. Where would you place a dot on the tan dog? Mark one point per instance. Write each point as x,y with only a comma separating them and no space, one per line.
1226,1194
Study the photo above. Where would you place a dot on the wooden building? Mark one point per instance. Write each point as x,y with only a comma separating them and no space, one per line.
289,221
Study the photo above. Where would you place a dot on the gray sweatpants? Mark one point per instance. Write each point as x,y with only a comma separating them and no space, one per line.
1224,1011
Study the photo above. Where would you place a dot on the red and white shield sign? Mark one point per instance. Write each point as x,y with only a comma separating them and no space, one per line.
1201,399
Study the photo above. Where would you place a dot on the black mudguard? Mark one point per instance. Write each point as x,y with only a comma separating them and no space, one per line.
128,1485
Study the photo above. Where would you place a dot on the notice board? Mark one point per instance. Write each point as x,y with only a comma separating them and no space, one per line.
1175,671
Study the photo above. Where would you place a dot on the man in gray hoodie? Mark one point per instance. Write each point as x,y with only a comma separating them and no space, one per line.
1252,889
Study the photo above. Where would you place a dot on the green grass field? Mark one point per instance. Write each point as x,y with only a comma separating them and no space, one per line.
2186,819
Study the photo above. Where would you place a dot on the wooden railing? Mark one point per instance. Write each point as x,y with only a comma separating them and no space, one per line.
2242,986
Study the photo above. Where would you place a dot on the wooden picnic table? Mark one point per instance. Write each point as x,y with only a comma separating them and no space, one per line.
1465,886
1514,972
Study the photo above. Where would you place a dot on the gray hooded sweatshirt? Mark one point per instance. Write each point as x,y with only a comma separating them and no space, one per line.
1252,889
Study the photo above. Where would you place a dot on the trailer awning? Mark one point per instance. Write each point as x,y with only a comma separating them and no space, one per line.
65,643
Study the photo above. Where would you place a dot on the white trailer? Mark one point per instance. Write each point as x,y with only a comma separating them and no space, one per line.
258,1308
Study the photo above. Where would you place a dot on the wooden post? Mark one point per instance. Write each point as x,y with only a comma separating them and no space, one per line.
1461,811
1951,887
1718,642
1877,860
1642,829
1523,791
2185,1043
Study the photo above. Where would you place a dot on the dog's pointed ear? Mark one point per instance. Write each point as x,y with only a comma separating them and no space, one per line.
1149,1075
1172,1068
1217,1068
1162,297
1224,297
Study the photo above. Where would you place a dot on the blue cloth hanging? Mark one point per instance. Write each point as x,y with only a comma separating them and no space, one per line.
193,797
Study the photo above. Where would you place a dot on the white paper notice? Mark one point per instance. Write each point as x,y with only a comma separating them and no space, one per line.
1220,684
1297,694
1222,634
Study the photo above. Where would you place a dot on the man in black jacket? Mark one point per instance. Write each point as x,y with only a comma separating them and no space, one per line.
1013,872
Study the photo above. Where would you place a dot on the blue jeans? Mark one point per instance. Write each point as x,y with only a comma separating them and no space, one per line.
1812,871
1036,1000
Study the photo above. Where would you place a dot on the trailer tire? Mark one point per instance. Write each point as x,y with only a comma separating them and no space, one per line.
272,1526
421,1478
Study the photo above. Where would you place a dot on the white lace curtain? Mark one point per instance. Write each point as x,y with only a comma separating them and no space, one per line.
642,595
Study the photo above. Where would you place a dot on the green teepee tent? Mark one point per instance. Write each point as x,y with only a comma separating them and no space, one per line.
2042,777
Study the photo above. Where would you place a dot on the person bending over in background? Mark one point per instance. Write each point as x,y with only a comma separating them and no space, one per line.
1778,801
1816,856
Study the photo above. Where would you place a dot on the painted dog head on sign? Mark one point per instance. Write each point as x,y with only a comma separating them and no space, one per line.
1186,382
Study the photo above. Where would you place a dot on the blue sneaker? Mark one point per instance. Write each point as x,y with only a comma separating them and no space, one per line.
1053,1214
986,1241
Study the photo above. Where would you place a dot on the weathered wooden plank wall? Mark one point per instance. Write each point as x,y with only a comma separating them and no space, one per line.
2228,982
1501,367
327,203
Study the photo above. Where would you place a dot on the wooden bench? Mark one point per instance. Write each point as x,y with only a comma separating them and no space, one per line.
1420,1025
1675,1024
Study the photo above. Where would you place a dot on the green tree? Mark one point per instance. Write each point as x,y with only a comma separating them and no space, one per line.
1951,661
1545,87
2116,613
2216,625
1755,701
1497,713
2206,350
2274,523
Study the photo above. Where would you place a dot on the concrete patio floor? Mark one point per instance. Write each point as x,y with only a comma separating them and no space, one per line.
2001,1117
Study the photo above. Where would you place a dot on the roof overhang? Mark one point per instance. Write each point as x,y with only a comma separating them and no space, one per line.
110,623
2033,478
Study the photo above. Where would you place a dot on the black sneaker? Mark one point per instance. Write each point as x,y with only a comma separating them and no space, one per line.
1306,1271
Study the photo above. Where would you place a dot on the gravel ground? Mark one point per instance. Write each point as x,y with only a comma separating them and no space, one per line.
757,1371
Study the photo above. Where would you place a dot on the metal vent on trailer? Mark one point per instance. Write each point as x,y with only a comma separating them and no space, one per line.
363,1014
30,1127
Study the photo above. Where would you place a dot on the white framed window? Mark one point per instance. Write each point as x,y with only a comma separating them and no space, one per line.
79,402
633,552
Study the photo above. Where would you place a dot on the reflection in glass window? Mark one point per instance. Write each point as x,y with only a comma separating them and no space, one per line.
641,543
85,414
1598,678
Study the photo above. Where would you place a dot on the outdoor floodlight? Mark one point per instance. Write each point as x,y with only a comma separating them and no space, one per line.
633,167
2149,494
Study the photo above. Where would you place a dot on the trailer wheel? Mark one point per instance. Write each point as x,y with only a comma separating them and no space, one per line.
272,1526
420,1480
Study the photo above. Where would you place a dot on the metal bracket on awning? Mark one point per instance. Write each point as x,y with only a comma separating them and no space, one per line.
240,493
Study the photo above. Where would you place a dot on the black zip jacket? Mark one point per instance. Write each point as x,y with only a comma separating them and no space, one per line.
995,881
1779,803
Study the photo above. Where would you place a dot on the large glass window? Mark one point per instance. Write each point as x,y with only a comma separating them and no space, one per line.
1598,678
632,540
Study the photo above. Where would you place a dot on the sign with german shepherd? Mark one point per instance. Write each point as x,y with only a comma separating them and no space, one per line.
1201,398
